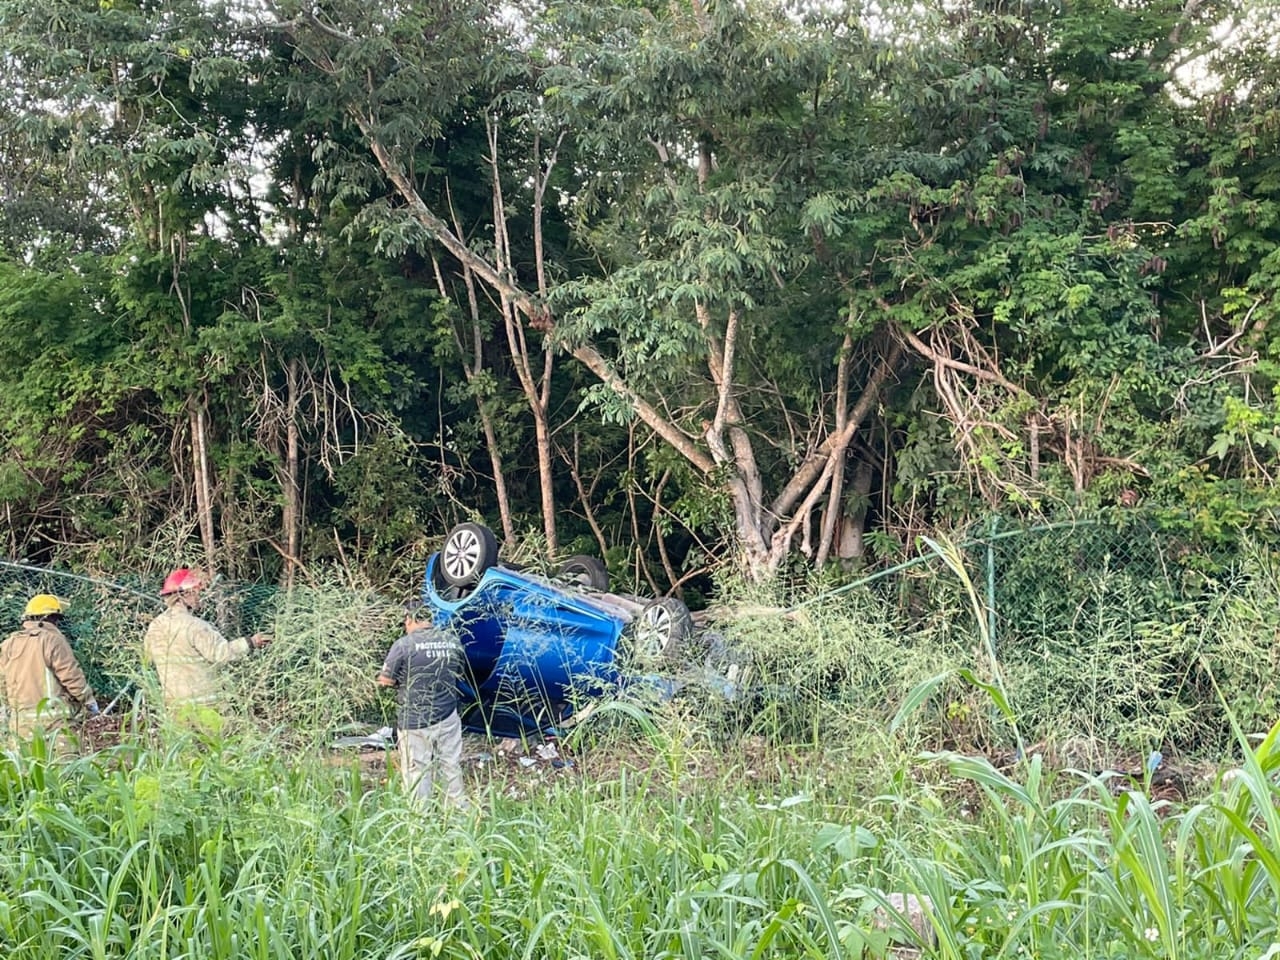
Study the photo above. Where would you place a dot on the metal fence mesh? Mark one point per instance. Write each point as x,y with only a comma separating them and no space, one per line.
106,620
1130,626
1127,627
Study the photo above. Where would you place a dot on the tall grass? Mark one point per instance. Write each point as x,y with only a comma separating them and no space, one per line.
832,673
318,673
770,823
1097,668
242,851
1091,661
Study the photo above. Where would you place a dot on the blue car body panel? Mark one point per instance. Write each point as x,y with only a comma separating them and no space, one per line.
532,647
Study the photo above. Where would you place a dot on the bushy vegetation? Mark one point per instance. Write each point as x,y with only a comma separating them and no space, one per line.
1102,652
235,850
318,672
762,284
842,750
748,289
1098,658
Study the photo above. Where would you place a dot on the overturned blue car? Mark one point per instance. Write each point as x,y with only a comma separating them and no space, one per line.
539,647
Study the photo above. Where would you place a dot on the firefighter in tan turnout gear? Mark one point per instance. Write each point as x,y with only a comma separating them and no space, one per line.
42,680
188,652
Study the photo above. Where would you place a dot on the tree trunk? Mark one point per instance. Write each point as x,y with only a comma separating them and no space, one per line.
499,478
584,493
833,511
853,525
292,509
542,433
537,389
667,566
764,530
471,370
203,483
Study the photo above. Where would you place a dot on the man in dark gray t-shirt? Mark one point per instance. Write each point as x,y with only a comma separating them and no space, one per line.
424,666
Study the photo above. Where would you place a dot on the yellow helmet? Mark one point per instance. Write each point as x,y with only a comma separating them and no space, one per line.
43,605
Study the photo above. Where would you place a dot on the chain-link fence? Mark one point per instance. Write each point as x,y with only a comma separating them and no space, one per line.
316,675
104,623
1123,629
1133,627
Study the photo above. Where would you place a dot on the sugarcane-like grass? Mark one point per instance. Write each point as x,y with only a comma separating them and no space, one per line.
237,849
852,761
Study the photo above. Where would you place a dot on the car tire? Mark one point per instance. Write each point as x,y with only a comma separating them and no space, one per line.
469,550
587,572
659,633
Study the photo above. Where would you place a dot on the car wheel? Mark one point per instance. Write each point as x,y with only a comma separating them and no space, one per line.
469,550
586,572
660,632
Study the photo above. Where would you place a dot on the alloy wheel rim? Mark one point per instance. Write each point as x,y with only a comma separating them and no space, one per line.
655,625
461,554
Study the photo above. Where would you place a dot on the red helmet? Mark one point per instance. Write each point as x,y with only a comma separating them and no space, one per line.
181,580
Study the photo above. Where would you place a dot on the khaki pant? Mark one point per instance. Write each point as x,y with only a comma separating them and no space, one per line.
421,749
21,726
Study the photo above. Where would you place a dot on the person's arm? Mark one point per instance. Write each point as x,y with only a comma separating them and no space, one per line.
393,667
62,661
212,645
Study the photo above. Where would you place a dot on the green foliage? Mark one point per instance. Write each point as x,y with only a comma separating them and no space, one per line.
832,672
382,511
1067,218
776,823
317,675
142,851
1095,636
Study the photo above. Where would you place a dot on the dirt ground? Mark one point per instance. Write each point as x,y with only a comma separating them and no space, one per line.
520,766
524,767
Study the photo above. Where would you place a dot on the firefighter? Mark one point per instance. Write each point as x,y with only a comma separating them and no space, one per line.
43,682
188,653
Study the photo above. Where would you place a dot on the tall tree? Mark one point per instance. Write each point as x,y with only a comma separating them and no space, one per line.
714,102
1028,228
231,316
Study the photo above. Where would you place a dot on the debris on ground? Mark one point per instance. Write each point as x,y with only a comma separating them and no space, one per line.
915,910
384,738
514,764
102,731
517,765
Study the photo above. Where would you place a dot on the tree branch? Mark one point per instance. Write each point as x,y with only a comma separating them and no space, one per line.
681,442
939,359
829,519
813,464
439,230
